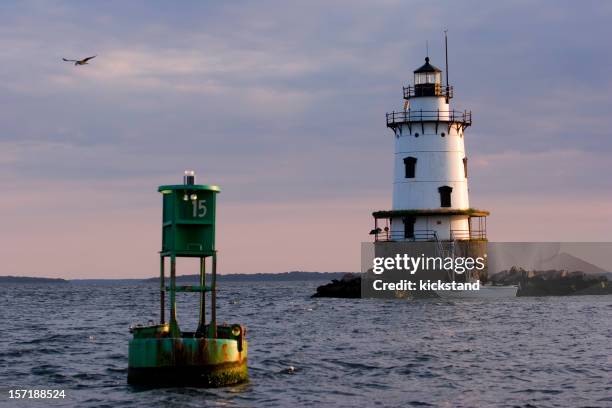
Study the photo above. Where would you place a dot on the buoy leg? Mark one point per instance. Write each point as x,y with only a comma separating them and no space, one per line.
174,329
202,320
213,297
162,291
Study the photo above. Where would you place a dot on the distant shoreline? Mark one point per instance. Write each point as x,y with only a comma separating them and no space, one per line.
30,279
238,277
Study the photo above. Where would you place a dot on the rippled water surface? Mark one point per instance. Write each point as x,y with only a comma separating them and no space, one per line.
539,352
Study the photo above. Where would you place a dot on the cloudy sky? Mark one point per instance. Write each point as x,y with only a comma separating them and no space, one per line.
282,104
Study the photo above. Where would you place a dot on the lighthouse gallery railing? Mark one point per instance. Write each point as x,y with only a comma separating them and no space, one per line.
430,235
427,90
409,116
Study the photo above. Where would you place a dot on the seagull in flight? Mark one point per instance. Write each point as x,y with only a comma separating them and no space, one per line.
84,61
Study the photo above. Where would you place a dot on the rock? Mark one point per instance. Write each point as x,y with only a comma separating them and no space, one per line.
553,282
349,286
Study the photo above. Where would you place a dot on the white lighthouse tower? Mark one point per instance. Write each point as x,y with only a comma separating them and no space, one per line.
430,183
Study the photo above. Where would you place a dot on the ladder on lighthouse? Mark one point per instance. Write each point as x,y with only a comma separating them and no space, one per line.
446,249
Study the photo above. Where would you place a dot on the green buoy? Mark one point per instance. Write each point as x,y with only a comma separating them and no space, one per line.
163,355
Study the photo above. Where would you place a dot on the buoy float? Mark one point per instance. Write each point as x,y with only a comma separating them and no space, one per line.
163,355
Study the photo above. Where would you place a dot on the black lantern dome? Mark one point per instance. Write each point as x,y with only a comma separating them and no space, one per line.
427,74
428,80
427,67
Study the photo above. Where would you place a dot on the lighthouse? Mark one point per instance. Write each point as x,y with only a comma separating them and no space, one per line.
430,178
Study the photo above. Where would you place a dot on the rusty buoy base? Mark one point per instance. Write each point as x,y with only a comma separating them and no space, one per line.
189,376
190,360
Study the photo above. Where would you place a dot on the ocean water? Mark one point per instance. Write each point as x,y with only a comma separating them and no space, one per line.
525,352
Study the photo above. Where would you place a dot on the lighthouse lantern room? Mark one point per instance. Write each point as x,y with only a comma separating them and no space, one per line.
430,186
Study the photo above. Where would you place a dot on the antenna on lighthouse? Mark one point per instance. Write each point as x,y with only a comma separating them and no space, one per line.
446,63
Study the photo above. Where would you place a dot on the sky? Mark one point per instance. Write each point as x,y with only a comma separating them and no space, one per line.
283,105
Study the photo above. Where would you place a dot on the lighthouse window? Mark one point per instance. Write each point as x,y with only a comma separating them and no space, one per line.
410,166
409,227
465,166
426,78
442,134
416,135
445,196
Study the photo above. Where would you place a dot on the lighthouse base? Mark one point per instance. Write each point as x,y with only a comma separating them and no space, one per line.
190,360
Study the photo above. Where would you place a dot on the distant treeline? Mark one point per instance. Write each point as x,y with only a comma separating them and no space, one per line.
238,277
250,277
28,279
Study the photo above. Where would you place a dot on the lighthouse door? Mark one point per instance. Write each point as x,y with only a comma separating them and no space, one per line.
409,227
